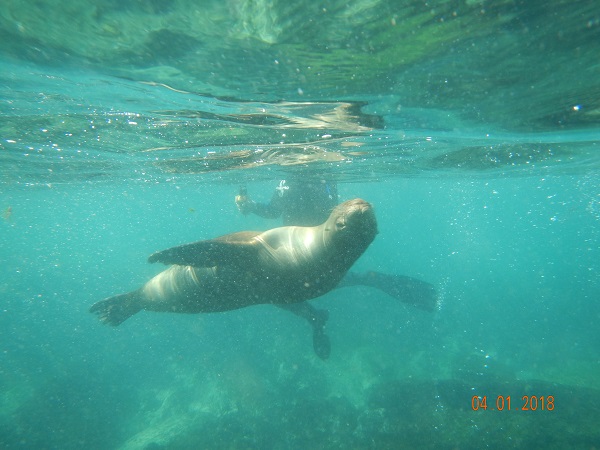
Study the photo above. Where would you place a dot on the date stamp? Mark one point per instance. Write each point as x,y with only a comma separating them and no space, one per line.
503,403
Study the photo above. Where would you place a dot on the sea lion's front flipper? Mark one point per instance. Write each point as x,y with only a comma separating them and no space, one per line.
228,249
317,318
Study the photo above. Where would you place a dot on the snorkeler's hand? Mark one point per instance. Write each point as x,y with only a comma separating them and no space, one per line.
244,204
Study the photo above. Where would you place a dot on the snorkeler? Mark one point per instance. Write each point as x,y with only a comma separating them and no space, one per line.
301,202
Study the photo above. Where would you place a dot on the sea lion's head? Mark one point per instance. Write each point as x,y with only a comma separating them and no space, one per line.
353,225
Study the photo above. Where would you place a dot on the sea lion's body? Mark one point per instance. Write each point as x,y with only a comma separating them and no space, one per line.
280,266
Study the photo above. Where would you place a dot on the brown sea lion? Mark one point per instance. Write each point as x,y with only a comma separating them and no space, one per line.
283,266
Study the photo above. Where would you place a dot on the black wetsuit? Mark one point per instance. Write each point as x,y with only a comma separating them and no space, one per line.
300,202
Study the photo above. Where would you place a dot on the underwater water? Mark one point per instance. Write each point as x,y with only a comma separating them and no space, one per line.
472,127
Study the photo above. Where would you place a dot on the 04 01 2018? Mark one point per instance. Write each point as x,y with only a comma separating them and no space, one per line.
503,403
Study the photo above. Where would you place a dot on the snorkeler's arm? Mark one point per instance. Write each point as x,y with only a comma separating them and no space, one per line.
271,210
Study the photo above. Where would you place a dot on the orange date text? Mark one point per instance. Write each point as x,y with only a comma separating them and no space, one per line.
506,403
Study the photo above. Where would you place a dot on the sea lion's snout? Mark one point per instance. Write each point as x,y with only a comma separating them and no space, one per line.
358,216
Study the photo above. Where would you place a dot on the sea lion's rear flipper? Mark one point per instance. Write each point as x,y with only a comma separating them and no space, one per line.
115,310
226,249
412,291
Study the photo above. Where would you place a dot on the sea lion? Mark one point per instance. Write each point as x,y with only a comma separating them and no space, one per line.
283,265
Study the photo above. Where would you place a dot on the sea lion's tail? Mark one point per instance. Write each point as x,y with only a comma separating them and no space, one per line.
115,310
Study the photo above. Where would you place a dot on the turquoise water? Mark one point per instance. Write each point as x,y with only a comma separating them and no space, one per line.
473,129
